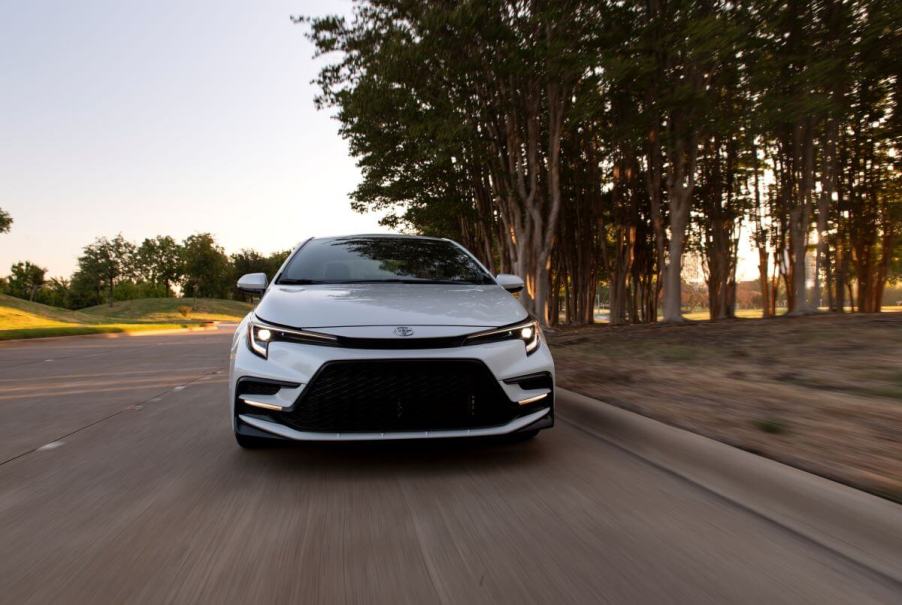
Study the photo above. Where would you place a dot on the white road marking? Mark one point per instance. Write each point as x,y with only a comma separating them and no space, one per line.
179,388
50,446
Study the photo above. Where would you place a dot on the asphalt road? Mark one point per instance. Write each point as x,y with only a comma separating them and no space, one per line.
120,482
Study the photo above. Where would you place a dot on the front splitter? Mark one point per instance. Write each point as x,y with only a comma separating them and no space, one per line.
290,433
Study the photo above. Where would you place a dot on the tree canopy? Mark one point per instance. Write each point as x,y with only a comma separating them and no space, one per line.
584,143
6,221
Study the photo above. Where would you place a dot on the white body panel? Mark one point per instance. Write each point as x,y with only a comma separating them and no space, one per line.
320,306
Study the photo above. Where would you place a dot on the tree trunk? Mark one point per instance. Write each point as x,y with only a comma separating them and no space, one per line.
680,183
800,217
824,201
766,310
654,175
679,214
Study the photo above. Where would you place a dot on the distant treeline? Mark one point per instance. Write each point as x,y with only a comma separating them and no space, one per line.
111,269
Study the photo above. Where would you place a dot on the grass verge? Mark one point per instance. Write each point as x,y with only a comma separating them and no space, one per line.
82,329
822,393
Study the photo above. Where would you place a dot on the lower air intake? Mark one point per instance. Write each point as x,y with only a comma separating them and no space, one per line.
401,395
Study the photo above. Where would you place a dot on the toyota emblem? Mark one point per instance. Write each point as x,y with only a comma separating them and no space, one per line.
403,331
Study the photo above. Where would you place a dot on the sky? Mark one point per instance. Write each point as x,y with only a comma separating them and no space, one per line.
165,117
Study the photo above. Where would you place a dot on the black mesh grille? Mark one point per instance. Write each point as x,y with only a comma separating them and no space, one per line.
401,395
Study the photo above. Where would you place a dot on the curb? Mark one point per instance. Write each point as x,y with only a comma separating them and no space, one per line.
854,524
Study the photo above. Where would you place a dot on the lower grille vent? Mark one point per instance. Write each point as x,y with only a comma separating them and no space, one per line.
401,395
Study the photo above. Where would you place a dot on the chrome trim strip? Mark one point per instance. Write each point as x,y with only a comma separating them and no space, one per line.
533,399
260,404
289,433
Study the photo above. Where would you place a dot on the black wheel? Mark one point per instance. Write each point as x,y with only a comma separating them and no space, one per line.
250,443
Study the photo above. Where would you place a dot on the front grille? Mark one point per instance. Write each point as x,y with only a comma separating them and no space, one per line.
400,395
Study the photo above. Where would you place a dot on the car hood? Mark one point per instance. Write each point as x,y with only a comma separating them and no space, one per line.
339,305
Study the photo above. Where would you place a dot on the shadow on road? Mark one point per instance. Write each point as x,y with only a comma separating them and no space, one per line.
446,456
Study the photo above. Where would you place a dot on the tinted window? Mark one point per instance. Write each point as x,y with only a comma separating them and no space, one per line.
382,259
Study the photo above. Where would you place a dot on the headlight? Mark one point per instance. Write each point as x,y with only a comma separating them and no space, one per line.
259,335
527,331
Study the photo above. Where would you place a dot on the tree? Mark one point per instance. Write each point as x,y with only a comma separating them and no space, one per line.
100,267
250,261
25,279
504,104
159,261
6,221
55,293
588,145
205,267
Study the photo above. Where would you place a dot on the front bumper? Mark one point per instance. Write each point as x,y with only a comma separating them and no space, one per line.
543,418
297,366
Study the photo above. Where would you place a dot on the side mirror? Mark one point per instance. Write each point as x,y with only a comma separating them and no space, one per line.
253,283
509,282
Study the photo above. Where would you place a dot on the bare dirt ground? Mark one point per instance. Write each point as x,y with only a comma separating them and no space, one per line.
821,393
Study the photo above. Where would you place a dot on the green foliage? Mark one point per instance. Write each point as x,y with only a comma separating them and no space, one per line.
55,293
159,261
6,221
130,290
774,426
250,261
25,280
206,267
101,266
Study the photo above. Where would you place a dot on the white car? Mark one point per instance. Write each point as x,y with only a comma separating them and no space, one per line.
379,337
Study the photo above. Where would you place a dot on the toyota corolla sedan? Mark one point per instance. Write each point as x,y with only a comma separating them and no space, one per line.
379,337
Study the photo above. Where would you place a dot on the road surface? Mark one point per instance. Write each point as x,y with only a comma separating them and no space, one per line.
120,482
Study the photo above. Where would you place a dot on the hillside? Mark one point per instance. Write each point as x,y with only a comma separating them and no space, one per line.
18,313
168,309
23,319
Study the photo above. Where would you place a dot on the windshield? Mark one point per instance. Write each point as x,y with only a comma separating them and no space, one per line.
349,260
